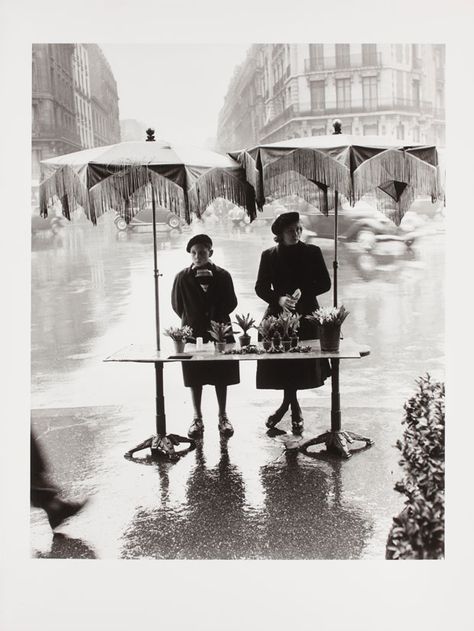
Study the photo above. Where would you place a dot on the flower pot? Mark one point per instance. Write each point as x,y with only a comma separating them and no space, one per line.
286,344
267,344
244,340
294,341
276,341
220,347
179,346
329,337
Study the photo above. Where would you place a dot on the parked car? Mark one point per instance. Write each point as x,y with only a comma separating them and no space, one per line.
361,224
164,218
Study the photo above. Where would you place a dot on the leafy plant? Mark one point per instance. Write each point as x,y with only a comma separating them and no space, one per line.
178,334
418,531
329,316
219,331
289,324
245,322
267,327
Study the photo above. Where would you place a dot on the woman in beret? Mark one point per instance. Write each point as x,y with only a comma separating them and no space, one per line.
285,268
201,293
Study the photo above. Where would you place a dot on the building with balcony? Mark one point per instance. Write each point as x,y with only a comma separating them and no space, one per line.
74,101
54,129
387,89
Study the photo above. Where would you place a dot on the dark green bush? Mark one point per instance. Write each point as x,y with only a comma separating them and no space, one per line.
418,532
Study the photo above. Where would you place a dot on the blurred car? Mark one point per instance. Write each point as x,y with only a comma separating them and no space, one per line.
164,218
361,224
53,223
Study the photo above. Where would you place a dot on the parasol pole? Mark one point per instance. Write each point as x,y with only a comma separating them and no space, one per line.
335,262
160,417
156,272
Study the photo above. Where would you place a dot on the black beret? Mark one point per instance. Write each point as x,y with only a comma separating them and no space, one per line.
283,221
199,238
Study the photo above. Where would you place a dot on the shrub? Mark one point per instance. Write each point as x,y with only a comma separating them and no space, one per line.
418,531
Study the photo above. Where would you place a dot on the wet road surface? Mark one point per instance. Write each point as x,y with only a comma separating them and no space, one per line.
92,293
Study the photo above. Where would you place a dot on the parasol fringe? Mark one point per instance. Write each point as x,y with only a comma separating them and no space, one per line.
220,182
134,182
65,184
313,165
398,165
297,184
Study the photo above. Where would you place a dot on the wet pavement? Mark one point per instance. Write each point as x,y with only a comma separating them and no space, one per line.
92,293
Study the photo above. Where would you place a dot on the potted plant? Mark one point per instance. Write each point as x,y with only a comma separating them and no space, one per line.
219,332
180,335
266,331
246,323
277,331
289,324
329,320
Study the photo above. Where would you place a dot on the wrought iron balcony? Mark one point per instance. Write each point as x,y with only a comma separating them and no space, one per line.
365,60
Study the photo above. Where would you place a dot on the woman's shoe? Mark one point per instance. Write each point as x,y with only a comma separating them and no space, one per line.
275,418
297,422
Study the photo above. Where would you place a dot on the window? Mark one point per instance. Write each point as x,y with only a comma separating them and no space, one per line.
343,93
369,92
399,53
316,56
400,92
318,131
369,54
318,99
371,130
416,134
400,131
343,54
416,92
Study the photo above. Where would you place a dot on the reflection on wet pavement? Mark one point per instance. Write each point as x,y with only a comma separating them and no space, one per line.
92,293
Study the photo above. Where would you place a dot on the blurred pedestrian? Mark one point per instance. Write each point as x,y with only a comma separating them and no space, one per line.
44,493
201,293
284,269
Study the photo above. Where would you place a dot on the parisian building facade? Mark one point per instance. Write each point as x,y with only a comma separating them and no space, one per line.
74,101
285,91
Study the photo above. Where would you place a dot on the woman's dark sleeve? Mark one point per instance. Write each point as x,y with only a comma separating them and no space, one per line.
320,279
263,286
176,297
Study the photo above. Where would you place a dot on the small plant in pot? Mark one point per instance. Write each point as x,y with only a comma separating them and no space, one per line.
180,335
219,332
265,329
289,324
329,320
246,323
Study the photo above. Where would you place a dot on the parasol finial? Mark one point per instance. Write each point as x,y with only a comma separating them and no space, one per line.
337,126
150,135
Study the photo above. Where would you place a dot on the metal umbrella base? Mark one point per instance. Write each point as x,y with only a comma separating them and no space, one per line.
336,439
163,446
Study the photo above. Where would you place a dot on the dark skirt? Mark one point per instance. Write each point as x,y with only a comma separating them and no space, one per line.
214,373
298,374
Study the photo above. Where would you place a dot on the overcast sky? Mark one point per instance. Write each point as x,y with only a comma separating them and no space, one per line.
178,89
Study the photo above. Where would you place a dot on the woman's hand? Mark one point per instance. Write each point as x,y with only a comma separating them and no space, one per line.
287,303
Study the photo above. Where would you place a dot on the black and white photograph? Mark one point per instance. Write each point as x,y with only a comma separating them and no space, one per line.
236,316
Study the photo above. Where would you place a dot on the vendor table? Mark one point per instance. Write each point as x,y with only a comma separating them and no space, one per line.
335,439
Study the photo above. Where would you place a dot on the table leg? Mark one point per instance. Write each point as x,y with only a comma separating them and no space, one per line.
161,444
336,439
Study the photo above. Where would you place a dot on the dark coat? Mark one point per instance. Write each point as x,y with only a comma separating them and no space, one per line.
281,271
307,272
197,308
